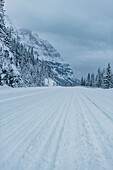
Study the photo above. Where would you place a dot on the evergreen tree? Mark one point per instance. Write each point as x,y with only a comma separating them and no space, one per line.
112,81
1,55
99,78
88,80
82,81
92,80
102,78
3,30
2,25
108,77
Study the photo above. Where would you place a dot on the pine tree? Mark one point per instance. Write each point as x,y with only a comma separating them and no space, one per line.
102,78
108,77
2,24
99,78
1,13
88,80
112,81
92,80
1,55
82,81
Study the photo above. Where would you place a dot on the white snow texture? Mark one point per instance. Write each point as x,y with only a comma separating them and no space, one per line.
56,128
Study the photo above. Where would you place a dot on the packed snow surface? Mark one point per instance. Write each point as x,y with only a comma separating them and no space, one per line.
56,128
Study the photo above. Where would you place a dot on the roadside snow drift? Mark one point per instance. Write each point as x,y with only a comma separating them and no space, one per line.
56,129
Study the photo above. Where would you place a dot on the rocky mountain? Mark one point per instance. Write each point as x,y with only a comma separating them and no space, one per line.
62,73
27,60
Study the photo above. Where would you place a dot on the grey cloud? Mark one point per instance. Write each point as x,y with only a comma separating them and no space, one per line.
81,30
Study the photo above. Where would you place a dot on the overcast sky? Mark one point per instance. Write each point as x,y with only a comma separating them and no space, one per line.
81,30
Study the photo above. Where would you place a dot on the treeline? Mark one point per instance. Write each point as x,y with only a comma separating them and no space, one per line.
102,79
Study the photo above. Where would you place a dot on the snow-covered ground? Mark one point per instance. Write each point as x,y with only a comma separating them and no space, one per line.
56,128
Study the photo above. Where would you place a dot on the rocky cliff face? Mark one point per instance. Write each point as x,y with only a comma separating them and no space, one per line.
27,60
62,73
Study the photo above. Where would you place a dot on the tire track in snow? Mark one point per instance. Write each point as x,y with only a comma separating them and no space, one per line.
102,101
26,125
36,127
23,96
70,153
54,135
42,130
99,109
85,144
10,116
105,135
29,118
104,144
61,133
39,144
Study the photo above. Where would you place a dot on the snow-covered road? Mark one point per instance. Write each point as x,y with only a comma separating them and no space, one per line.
56,129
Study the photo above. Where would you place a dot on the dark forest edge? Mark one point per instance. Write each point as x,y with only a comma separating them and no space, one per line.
102,79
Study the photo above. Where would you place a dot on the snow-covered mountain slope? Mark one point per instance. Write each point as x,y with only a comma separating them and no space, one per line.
42,48
56,129
62,73
28,60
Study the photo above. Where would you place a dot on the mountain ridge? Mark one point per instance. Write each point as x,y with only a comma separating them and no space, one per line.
32,59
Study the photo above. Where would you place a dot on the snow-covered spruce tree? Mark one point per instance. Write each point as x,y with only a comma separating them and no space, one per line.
99,78
4,33
108,77
82,81
93,80
1,58
1,12
112,81
88,82
102,78
2,24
